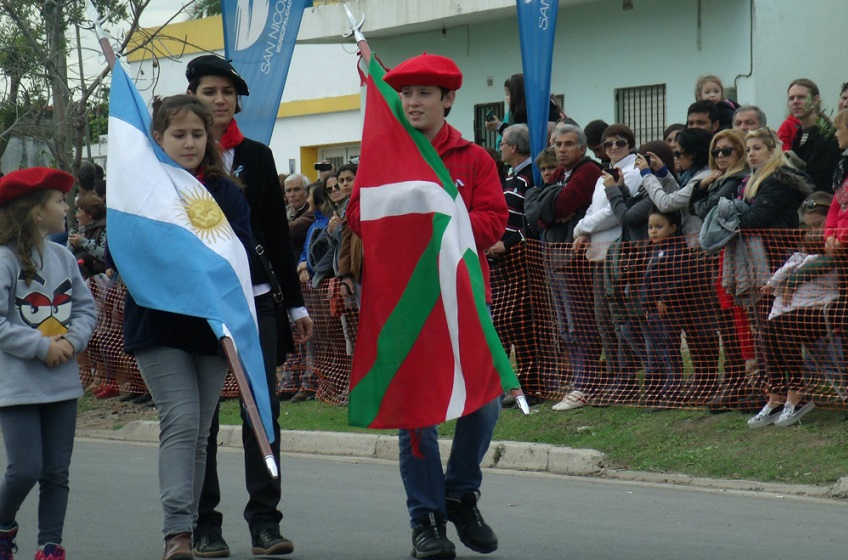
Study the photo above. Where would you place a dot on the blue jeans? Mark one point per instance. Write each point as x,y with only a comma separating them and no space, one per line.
664,366
39,441
185,388
425,483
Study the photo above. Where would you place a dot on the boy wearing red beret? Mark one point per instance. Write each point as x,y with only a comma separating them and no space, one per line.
427,86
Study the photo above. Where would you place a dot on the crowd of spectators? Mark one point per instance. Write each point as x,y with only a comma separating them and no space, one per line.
650,303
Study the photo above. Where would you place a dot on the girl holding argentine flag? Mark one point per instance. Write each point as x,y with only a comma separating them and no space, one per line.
179,356
47,316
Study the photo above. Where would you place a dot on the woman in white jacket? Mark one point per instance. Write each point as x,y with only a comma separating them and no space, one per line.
594,233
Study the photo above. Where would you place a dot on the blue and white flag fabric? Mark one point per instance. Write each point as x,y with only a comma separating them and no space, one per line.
259,37
170,240
536,30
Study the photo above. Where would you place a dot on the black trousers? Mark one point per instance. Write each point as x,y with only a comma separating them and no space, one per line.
261,510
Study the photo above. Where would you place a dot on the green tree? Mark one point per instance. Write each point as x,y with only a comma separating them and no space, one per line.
46,93
204,8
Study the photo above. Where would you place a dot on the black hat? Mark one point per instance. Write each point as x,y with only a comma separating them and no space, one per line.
214,65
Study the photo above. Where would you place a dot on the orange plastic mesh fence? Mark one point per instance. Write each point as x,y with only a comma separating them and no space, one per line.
651,324
104,359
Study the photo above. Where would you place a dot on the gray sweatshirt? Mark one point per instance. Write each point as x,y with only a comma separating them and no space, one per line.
57,301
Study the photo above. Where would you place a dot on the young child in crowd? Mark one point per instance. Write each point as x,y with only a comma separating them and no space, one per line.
803,287
47,315
659,295
709,88
179,356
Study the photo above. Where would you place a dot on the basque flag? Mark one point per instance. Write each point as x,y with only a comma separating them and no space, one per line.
426,349
171,241
536,30
259,37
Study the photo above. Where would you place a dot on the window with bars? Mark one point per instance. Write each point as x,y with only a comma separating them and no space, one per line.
643,109
482,136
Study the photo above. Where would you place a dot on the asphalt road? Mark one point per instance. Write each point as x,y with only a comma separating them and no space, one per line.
355,509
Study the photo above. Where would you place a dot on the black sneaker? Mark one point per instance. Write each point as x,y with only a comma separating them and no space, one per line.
472,530
270,542
430,538
210,545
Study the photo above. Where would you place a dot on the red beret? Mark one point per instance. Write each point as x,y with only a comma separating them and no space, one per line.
24,181
425,70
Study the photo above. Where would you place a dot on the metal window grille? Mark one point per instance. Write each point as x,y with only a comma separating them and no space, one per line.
482,136
643,109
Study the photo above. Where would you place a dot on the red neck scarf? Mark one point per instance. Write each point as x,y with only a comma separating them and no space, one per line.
232,136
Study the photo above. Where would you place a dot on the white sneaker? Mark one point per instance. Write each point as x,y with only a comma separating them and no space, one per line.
574,399
765,417
791,413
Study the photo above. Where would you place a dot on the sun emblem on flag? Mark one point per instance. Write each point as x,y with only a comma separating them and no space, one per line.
205,217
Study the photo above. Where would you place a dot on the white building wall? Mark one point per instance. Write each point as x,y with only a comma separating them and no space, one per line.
798,40
599,47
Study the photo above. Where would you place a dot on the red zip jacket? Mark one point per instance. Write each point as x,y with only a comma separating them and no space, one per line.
474,173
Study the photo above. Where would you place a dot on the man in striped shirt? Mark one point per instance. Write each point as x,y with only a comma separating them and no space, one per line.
511,311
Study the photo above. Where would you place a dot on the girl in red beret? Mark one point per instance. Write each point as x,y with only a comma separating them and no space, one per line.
47,316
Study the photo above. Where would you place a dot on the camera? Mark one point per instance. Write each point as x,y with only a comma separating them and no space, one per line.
323,166
614,172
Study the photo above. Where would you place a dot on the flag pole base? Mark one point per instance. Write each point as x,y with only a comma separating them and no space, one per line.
271,465
521,401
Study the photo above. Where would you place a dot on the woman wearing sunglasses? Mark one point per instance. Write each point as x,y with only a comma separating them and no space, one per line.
728,168
594,233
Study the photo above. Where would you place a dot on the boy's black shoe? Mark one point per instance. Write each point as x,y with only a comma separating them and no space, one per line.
210,545
430,538
473,531
270,542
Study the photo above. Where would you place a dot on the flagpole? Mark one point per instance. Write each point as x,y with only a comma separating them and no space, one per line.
250,406
226,342
356,31
102,38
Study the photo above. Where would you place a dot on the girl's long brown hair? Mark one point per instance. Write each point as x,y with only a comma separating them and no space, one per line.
166,108
18,226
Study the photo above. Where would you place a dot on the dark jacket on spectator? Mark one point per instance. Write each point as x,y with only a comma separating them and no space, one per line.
821,154
704,200
555,209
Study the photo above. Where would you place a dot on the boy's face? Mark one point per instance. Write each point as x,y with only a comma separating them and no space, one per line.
660,228
424,107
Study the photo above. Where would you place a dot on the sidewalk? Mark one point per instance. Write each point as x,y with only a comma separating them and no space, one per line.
506,455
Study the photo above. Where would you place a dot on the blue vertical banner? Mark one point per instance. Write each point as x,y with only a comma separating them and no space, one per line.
536,29
259,37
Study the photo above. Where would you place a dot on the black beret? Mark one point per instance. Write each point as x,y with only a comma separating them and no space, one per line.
214,65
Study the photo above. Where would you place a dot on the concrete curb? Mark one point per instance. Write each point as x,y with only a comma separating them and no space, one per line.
506,455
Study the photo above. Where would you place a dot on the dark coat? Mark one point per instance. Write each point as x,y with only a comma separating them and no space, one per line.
777,201
253,163
821,154
704,200
554,210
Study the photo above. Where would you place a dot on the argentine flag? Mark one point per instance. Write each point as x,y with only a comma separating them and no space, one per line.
172,243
